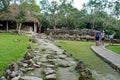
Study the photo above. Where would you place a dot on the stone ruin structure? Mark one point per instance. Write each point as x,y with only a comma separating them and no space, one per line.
65,34
85,74
75,34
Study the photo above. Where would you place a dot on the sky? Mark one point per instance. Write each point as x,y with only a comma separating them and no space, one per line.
77,3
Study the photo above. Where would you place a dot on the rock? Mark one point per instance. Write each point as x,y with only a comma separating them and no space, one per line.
53,61
29,69
80,66
43,49
64,63
30,78
33,64
51,77
36,65
67,53
72,63
28,55
3,78
35,58
85,74
50,56
36,51
62,56
14,74
44,60
24,65
39,63
12,67
23,69
52,52
29,46
48,71
8,71
49,65
16,78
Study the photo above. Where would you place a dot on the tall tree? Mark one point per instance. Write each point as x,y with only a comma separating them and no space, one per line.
53,9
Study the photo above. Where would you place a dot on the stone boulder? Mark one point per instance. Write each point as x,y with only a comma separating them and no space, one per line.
85,74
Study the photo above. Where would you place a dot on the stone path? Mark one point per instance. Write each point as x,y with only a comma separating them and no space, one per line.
66,71
108,56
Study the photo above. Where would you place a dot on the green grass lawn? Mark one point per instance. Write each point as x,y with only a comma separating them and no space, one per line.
12,48
82,51
115,48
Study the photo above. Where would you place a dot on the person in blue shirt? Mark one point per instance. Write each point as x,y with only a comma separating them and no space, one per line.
97,37
111,36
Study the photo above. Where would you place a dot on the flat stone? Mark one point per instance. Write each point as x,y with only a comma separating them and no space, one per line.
44,60
50,65
39,63
51,77
64,63
50,56
29,69
8,71
30,78
48,71
16,78
24,64
3,78
14,73
62,56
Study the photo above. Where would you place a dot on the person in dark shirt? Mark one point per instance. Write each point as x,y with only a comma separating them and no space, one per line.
97,37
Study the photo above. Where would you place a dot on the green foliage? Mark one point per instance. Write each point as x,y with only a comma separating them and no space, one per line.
81,51
30,6
115,49
12,48
116,9
4,4
20,18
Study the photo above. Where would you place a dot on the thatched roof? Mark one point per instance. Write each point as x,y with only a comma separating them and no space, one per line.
13,11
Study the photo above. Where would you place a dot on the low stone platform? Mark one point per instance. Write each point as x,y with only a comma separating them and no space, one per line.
108,56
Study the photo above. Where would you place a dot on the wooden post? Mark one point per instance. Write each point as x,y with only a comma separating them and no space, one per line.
35,28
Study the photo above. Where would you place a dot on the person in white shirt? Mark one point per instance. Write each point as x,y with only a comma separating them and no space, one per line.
102,37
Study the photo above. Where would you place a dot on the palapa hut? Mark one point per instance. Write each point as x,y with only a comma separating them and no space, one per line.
8,20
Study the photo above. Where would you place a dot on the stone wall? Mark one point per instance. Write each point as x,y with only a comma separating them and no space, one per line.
83,34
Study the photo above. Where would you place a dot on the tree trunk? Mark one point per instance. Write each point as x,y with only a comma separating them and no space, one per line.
92,27
7,27
19,28
54,25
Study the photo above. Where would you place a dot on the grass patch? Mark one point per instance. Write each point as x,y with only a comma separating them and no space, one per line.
82,51
12,48
115,48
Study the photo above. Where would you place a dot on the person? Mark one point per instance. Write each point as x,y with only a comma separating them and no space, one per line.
97,37
102,37
111,36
